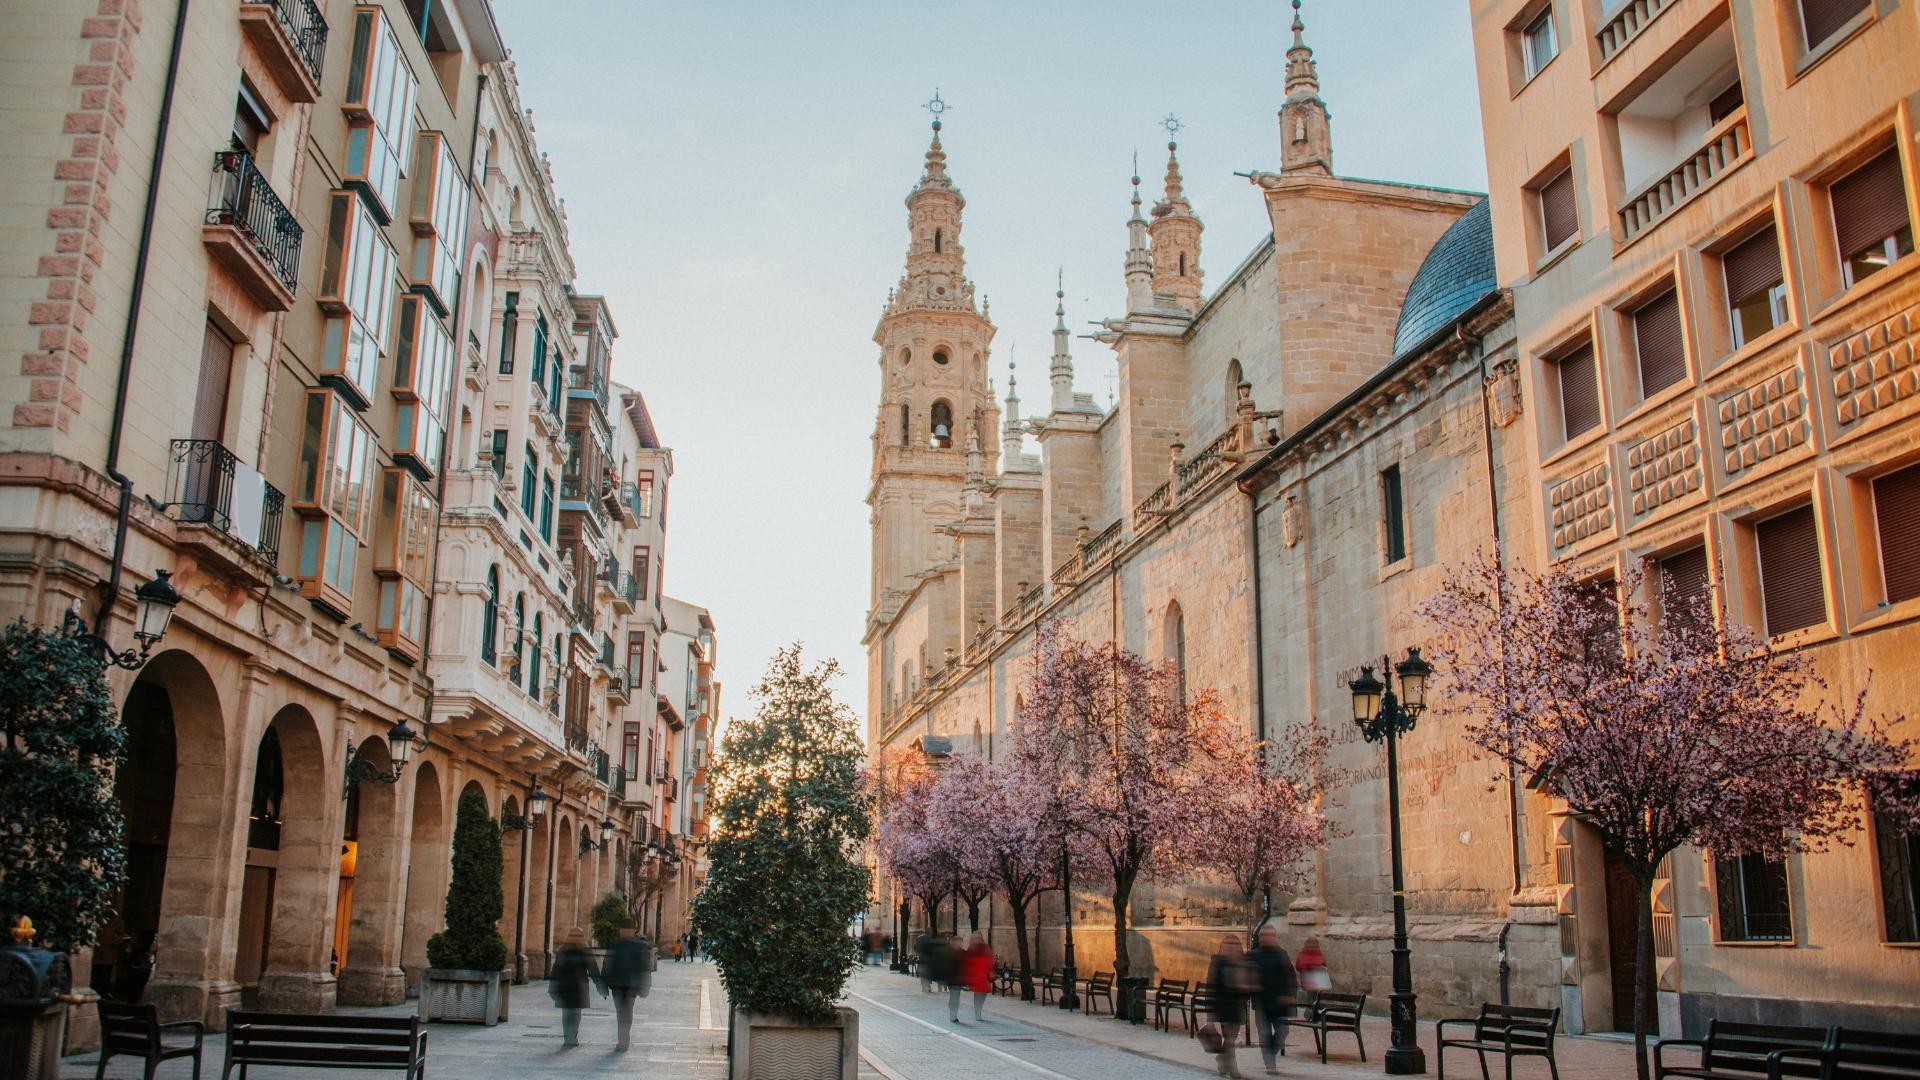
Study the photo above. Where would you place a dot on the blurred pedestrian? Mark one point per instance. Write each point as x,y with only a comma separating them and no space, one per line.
923,948
693,946
1229,983
1312,966
976,971
629,974
946,972
568,982
1278,990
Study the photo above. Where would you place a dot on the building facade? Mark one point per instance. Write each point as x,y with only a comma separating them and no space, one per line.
291,275
1704,212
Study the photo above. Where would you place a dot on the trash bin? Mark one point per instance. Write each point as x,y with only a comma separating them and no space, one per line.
1133,999
32,1016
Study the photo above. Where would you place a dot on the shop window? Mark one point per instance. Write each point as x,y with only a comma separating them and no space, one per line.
1897,851
403,561
439,217
333,497
356,290
1393,515
1870,222
422,381
1756,285
1792,589
1752,895
1896,518
1657,340
379,105
1579,391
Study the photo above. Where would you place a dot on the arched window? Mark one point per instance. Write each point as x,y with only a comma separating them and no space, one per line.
1183,264
519,633
1177,648
906,425
269,786
1235,376
533,666
936,241
941,430
490,618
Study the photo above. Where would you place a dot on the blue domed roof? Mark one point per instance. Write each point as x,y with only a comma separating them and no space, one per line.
1456,274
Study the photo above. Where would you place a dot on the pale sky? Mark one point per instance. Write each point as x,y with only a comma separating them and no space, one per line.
734,175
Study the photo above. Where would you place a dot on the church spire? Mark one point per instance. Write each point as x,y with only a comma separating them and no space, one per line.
1176,234
1061,371
1011,430
1139,260
1306,139
935,277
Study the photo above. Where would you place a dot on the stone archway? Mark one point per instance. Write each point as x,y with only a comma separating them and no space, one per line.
297,969
536,941
429,861
566,875
176,788
367,911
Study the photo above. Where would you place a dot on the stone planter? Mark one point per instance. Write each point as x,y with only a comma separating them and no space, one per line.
776,1048
463,996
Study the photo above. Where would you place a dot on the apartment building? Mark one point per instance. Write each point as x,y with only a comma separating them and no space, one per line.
683,743
1704,210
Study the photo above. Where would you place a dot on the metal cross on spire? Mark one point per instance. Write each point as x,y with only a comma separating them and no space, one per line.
1172,124
936,106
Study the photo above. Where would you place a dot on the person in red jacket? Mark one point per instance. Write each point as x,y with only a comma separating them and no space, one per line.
976,973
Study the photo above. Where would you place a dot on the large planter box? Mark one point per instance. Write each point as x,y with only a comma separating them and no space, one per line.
776,1048
463,996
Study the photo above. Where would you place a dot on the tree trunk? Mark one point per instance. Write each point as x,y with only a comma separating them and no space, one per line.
973,916
1020,938
1122,897
1642,968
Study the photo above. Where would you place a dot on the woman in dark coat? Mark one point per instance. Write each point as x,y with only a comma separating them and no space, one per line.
1228,983
568,984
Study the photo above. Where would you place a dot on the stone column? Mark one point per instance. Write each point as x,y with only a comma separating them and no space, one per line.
298,976
372,973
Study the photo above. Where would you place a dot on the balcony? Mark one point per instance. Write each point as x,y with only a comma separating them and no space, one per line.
575,496
1626,24
625,590
291,38
251,233
229,514
1727,146
628,503
606,655
1679,130
620,688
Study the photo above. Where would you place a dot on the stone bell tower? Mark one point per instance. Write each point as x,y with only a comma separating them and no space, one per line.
935,401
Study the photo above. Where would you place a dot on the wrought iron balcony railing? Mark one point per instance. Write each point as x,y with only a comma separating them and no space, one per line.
208,485
307,28
243,199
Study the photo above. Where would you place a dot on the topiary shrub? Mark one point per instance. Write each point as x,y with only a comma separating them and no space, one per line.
474,904
63,854
782,882
608,917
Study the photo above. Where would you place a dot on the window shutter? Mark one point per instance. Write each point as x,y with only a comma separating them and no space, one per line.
1579,391
1896,509
1764,885
1869,204
1823,18
1656,333
1685,583
1791,586
1753,266
1558,218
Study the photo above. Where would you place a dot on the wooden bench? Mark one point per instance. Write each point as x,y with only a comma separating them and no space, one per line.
1329,1012
1049,983
1200,1004
326,1042
1859,1055
1748,1050
1509,1030
1100,986
1169,999
136,1031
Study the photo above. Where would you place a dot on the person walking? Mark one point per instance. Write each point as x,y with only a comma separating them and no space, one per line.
946,972
976,971
1275,998
693,946
573,971
628,975
1228,984
924,947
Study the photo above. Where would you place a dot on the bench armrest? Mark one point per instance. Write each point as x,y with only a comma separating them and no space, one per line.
1528,1026
1440,1029
199,1028
1817,1055
1660,1049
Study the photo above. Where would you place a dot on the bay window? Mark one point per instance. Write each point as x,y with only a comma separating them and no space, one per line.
332,497
356,290
403,557
439,221
379,107
422,380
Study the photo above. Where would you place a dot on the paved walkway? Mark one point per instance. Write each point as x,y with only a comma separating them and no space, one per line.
904,1035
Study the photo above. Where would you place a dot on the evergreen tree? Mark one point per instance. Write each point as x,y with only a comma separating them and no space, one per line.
63,854
784,883
474,904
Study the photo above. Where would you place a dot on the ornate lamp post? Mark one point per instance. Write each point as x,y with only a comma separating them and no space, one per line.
1382,715
536,808
1069,975
400,746
155,603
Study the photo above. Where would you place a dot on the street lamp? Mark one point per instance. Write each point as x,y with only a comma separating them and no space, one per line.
154,601
606,833
401,742
1381,715
536,809
1069,975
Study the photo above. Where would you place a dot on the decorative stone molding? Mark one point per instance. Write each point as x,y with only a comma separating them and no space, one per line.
1875,368
1580,506
1663,467
1763,420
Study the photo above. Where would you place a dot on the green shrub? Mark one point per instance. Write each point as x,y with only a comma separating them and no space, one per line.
474,904
608,917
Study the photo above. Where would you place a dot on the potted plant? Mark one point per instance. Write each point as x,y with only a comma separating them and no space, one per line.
788,795
62,846
465,977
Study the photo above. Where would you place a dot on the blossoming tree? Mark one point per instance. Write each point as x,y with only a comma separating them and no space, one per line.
997,818
1657,725
1263,807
